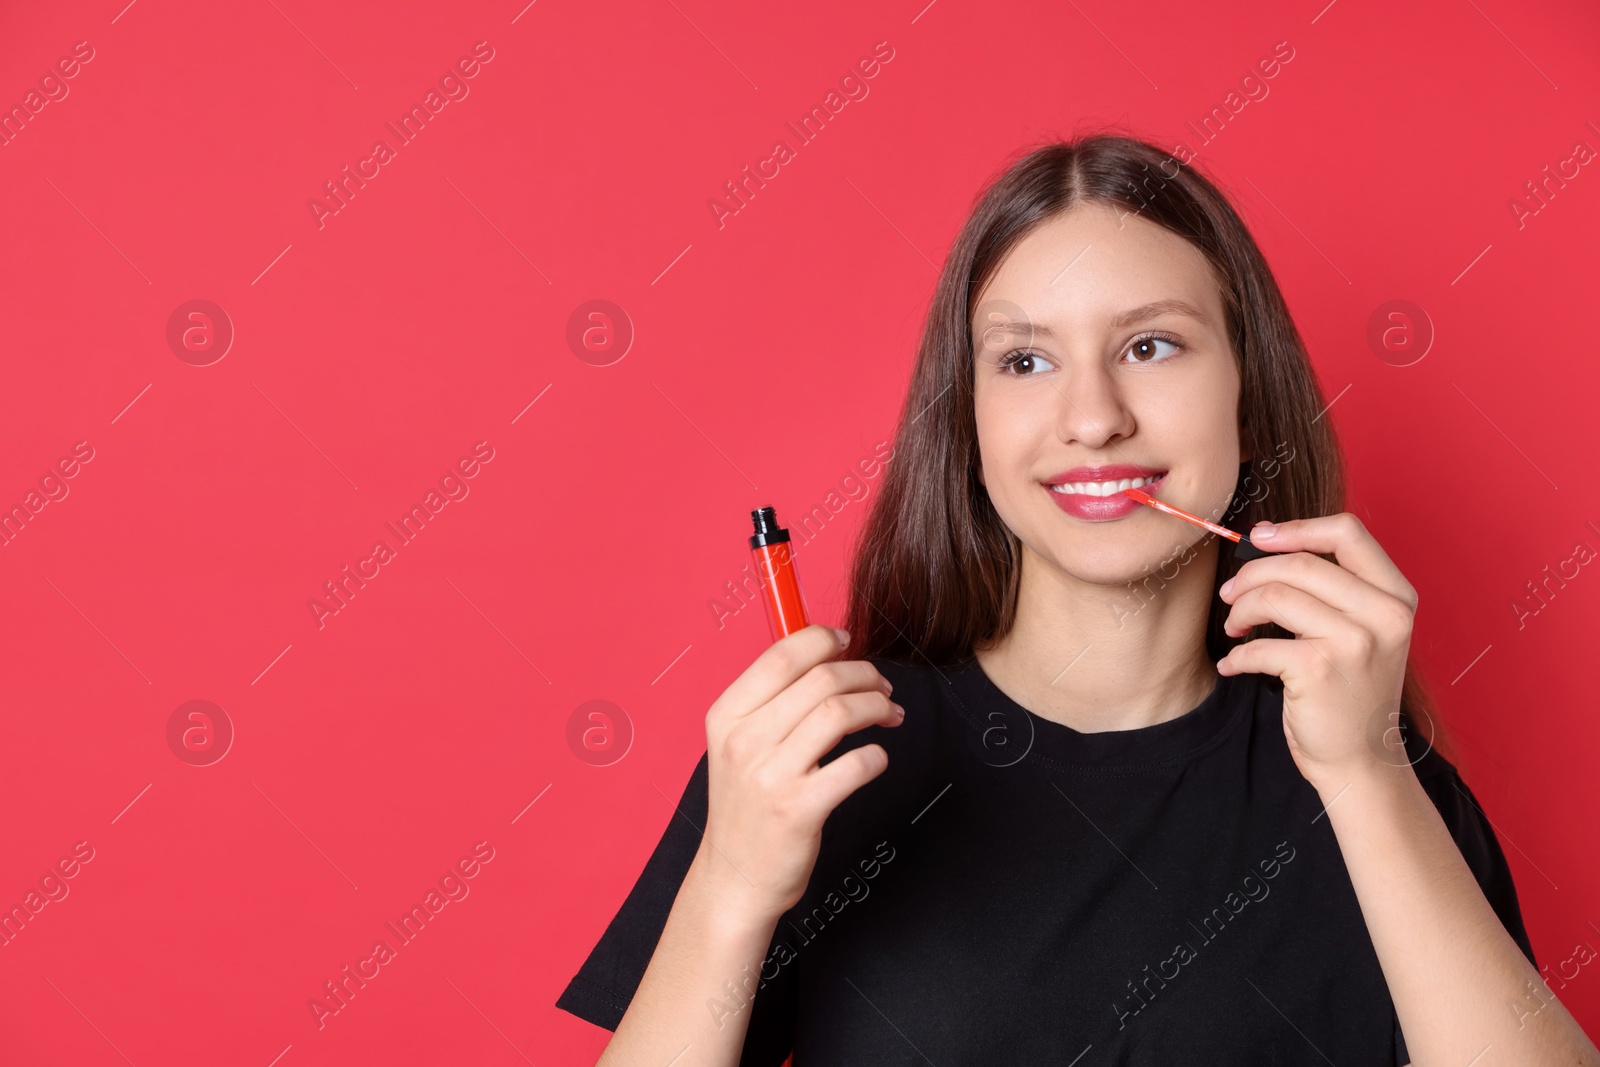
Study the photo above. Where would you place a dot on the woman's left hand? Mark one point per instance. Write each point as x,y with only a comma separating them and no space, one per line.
1343,671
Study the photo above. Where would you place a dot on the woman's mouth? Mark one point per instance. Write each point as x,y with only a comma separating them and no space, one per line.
1096,494
1104,488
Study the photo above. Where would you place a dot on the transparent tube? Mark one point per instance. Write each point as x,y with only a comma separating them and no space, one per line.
786,604
773,554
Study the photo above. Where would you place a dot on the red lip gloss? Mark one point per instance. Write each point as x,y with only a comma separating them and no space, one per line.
774,559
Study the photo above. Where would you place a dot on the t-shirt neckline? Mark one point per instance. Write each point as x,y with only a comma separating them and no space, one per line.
1163,743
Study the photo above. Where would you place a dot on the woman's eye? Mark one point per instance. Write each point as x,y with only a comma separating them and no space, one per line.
1146,350
1028,362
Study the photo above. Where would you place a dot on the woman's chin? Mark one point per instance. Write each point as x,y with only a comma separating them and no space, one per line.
1120,561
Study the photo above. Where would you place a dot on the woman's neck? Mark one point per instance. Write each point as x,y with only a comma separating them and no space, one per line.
1104,657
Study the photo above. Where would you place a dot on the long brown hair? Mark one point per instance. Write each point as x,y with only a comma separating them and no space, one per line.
936,572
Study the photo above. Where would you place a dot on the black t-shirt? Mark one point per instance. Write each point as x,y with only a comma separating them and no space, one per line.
1010,890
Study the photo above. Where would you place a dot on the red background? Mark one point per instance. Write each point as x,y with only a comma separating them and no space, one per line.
771,355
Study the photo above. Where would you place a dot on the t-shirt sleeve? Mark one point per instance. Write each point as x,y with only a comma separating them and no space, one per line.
1475,836
608,979
604,985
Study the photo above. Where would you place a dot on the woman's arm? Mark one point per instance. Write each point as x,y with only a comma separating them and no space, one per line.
1456,977
767,797
1462,988
693,1004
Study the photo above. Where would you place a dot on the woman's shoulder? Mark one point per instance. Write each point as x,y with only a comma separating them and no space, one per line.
924,691
921,675
921,684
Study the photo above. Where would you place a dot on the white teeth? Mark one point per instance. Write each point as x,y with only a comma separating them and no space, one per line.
1102,488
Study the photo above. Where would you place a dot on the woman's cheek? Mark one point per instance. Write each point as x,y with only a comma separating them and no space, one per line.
1003,448
1214,437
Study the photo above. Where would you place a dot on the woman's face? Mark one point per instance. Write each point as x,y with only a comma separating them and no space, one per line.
1119,367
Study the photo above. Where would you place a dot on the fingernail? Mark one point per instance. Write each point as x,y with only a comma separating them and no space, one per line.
1227,585
844,635
898,710
888,686
1263,530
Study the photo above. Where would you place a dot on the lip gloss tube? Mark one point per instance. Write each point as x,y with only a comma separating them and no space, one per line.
774,561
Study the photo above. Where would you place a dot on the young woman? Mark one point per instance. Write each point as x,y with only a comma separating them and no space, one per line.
1130,802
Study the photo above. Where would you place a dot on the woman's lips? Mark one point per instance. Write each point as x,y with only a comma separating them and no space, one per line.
1113,505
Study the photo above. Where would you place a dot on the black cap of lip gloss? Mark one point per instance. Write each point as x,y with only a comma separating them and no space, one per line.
1244,550
768,532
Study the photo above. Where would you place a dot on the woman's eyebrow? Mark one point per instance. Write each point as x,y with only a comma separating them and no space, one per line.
1157,308
1120,320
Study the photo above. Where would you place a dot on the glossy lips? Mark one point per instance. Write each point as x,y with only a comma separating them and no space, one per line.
1095,493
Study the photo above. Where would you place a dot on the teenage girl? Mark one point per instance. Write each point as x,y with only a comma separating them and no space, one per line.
1077,787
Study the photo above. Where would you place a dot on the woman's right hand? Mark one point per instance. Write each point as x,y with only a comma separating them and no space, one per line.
765,734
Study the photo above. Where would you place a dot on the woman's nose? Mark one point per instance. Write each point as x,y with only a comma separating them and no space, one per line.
1093,410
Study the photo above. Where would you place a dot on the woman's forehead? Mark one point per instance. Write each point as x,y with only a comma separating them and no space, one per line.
1095,266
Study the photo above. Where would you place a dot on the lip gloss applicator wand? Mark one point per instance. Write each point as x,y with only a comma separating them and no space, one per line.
1242,548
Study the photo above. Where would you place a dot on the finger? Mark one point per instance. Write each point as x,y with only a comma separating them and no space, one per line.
1294,609
784,661
1347,540
1280,656
1328,582
843,776
1302,665
783,713
822,728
